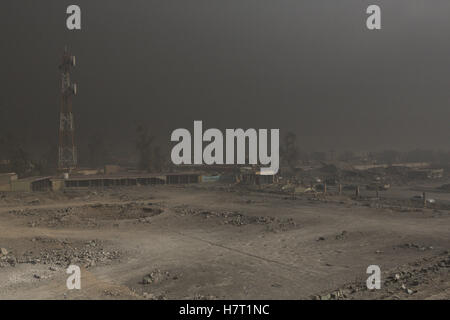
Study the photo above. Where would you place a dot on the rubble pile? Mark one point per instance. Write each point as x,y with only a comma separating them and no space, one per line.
156,276
239,219
89,216
400,283
61,253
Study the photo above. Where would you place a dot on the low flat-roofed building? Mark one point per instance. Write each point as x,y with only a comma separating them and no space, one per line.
6,179
31,184
116,180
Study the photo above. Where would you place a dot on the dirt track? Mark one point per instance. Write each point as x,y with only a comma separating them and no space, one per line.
208,242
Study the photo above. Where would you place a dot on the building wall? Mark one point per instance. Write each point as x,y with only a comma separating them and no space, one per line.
21,185
5,187
6,178
57,184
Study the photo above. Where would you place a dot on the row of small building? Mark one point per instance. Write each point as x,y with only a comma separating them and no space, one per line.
10,181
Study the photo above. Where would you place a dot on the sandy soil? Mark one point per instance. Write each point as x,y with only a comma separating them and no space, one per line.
213,241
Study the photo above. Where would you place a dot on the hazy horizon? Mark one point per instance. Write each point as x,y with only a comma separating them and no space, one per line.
310,67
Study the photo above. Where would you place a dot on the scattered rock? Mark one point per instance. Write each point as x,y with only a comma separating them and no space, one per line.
58,253
202,297
276,285
153,211
342,235
238,219
156,276
149,296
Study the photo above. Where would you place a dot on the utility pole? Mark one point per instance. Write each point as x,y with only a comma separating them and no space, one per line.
67,153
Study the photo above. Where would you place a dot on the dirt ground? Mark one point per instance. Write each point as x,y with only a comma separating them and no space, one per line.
216,241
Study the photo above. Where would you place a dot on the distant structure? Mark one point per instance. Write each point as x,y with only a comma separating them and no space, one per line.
67,153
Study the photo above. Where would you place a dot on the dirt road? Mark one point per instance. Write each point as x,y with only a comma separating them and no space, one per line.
209,242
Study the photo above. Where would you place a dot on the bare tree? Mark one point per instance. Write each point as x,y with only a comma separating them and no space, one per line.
289,150
97,150
157,159
21,163
144,143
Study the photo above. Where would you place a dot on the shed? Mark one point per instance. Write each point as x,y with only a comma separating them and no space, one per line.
31,184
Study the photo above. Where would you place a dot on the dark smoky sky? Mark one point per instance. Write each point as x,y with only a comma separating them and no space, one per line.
307,66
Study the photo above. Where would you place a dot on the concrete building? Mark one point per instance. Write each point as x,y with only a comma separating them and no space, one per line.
6,179
32,184
101,181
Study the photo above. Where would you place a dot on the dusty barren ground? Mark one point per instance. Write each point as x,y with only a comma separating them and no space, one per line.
212,241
